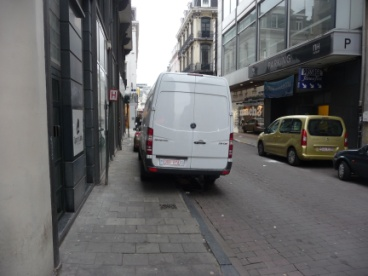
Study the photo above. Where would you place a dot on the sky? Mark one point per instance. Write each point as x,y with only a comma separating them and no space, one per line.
159,22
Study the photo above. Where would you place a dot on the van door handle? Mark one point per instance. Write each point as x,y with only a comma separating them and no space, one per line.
200,142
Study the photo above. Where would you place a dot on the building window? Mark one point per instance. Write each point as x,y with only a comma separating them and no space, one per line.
309,19
247,40
229,50
205,56
228,7
102,91
55,32
272,29
205,26
205,3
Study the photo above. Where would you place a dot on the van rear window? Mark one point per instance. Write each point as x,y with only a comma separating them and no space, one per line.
325,127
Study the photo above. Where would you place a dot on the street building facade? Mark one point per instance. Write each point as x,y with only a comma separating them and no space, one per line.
131,63
196,39
285,57
66,60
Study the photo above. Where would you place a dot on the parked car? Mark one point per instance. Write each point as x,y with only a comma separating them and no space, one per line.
351,162
255,125
303,137
137,136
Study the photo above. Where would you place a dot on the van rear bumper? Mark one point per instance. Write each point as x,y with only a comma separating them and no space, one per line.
307,157
149,167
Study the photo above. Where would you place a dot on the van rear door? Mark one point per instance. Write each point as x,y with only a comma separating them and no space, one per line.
173,116
212,124
326,136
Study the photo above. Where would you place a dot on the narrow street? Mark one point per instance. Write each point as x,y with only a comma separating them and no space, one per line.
275,219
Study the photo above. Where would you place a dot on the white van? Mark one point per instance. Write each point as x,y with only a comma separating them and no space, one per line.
187,127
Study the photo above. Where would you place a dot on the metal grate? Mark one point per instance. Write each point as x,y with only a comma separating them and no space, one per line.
168,206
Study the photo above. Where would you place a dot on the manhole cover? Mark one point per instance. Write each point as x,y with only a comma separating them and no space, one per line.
168,206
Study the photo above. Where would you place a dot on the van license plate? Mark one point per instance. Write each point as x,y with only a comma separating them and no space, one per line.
326,149
172,162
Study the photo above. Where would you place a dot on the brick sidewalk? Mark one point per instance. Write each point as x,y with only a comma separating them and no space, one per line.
132,228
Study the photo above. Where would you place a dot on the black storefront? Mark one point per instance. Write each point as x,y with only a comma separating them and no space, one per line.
85,42
336,57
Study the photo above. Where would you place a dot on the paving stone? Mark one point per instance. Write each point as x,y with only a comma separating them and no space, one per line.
135,238
109,259
98,247
158,238
80,258
148,248
189,229
171,247
123,247
165,229
194,247
115,221
135,259
160,259
108,270
125,229
152,229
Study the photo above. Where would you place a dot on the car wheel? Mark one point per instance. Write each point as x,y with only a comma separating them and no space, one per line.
261,151
343,171
292,157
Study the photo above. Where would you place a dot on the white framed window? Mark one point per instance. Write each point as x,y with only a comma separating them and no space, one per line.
205,3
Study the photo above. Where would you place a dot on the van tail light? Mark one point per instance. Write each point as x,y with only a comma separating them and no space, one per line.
303,142
231,145
149,142
346,140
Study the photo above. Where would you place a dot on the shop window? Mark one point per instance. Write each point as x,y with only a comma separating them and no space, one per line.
272,29
309,19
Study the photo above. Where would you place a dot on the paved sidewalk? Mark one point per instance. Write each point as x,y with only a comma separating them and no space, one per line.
132,228
247,138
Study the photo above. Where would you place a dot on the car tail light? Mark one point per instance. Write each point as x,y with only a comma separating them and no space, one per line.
149,142
346,140
303,142
231,145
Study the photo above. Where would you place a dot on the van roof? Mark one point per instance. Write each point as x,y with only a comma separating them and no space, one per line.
184,77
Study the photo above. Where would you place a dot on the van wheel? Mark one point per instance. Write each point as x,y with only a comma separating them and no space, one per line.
261,151
292,157
144,175
343,171
209,181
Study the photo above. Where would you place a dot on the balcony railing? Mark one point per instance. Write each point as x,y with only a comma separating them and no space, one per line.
199,68
205,35
186,44
189,68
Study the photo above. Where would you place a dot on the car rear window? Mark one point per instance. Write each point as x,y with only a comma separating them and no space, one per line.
325,127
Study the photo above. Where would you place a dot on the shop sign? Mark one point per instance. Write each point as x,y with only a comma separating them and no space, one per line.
78,130
310,78
279,89
315,49
113,95
252,111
